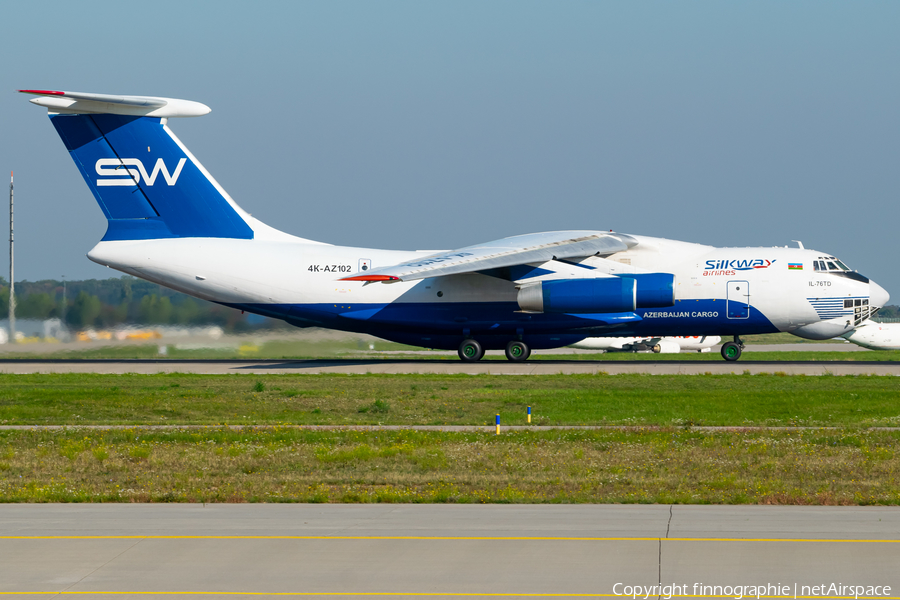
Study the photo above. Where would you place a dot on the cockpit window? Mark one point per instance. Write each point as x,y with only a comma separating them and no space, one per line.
829,263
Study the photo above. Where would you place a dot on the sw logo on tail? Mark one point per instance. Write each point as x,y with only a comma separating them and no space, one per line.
115,168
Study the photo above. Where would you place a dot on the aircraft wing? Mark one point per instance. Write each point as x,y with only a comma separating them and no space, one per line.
506,252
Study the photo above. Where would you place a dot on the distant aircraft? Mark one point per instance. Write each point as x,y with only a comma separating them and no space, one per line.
875,336
171,223
662,345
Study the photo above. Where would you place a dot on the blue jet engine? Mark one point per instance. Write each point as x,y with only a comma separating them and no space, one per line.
599,295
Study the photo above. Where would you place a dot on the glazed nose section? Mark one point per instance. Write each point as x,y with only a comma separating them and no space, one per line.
878,296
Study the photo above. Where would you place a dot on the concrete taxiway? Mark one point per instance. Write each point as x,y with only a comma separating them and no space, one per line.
224,551
452,366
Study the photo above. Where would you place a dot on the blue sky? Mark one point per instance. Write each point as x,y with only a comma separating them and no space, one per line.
421,125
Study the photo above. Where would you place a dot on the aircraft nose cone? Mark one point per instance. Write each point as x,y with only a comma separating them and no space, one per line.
878,296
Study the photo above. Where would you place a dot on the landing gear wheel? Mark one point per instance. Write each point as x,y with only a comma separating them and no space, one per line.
470,351
517,351
731,351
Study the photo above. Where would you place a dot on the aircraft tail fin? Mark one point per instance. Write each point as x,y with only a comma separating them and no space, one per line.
145,180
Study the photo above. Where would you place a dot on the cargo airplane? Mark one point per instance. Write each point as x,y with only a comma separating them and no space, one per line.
662,345
171,223
875,336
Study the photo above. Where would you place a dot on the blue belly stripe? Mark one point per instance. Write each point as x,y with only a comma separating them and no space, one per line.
445,324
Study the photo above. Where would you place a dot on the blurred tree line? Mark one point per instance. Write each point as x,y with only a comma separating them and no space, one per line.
889,312
104,303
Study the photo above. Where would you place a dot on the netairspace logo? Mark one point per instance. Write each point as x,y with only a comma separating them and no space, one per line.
118,172
767,590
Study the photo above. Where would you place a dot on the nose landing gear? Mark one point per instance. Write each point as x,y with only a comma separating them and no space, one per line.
731,351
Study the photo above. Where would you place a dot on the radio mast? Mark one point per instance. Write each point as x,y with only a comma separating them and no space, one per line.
12,274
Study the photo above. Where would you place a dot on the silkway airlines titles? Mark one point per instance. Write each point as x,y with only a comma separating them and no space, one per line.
171,223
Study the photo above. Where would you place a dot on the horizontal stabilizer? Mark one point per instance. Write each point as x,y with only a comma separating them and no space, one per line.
142,106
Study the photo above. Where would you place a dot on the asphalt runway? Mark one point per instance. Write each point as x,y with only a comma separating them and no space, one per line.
714,366
410,551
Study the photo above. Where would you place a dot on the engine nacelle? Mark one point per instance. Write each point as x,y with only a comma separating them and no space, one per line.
600,295
667,347
654,290
603,295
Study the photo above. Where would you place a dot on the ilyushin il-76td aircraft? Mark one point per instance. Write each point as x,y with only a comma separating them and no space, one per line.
171,223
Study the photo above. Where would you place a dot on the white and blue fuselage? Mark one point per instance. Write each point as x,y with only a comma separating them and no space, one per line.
717,291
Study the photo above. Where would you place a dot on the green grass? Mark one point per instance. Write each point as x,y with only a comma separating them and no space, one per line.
661,400
287,465
670,462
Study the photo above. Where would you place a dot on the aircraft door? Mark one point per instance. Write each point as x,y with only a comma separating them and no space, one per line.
737,302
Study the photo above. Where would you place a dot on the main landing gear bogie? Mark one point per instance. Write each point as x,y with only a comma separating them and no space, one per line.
471,351
731,351
517,351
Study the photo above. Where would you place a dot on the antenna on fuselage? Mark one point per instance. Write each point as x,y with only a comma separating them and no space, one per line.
800,244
